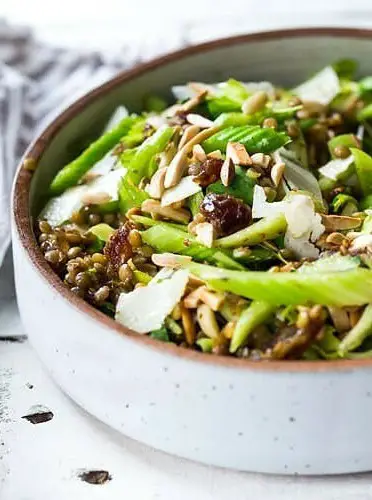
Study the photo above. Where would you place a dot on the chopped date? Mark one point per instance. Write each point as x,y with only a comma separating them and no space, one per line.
226,213
207,172
118,249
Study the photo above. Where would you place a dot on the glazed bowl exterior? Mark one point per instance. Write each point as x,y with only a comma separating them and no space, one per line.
280,417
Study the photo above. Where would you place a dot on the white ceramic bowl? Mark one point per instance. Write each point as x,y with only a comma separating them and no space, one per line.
278,417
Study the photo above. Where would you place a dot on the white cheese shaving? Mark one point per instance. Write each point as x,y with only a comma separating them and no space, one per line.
185,188
61,208
146,308
304,225
334,168
322,88
362,242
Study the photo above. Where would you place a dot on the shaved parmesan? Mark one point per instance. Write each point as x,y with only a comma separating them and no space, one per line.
322,88
362,242
146,308
304,225
185,188
334,168
61,208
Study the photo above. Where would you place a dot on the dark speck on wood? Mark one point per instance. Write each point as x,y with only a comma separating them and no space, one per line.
38,415
95,476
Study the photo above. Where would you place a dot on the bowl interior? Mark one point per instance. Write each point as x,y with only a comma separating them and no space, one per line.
286,58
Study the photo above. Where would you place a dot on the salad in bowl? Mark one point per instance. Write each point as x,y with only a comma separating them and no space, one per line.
236,221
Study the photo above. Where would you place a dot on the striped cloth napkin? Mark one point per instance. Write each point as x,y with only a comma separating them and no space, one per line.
36,83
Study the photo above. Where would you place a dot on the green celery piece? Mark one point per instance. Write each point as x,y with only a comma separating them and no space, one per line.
365,85
254,138
233,89
164,238
345,288
71,174
345,68
105,208
347,140
255,314
267,228
363,168
194,202
334,263
307,123
102,231
139,166
236,119
206,345
340,202
230,97
365,113
126,156
222,104
242,186
366,202
148,222
142,277
257,255
160,334
173,326
130,195
358,333
154,103
136,134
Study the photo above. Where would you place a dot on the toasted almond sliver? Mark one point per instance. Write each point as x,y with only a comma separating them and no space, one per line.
178,165
215,154
277,173
227,172
207,321
169,259
188,134
198,153
95,198
154,207
192,300
205,233
340,222
228,330
156,187
188,325
261,160
199,120
194,101
340,318
254,102
238,153
213,299
335,238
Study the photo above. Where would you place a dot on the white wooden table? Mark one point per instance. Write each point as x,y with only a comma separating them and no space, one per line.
42,462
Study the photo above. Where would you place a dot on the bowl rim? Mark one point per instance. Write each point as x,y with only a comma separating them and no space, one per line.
24,226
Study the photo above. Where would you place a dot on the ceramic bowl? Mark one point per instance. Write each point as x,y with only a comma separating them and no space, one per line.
280,417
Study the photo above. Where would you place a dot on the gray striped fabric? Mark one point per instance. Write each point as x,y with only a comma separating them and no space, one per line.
36,83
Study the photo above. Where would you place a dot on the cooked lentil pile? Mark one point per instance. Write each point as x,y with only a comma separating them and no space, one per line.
237,221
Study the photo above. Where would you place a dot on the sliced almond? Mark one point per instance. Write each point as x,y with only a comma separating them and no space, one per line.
169,259
215,154
237,152
277,172
188,325
254,102
167,156
340,318
198,153
205,234
178,165
228,330
154,207
199,120
188,134
179,193
207,321
95,198
213,299
261,160
340,222
335,238
156,187
192,300
227,172
194,101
